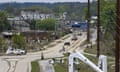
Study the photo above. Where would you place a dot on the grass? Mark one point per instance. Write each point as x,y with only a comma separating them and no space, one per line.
82,67
60,67
64,67
109,51
66,54
35,66
105,51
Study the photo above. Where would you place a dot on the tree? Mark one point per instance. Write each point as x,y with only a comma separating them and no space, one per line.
46,24
18,41
108,26
32,24
1,43
108,18
41,9
59,9
12,11
3,21
9,9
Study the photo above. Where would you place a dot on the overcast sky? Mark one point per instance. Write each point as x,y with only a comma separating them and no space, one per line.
1,1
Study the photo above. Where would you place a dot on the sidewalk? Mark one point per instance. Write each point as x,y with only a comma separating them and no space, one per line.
45,66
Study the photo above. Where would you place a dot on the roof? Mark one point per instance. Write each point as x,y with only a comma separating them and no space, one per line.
82,25
75,25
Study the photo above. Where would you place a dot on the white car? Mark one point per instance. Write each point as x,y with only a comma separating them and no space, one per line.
11,50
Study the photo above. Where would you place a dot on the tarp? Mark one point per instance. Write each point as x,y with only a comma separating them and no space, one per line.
80,25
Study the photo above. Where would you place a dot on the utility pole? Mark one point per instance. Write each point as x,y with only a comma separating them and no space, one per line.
117,39
88,22
98,29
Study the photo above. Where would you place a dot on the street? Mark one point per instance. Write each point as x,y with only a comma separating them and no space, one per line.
23,62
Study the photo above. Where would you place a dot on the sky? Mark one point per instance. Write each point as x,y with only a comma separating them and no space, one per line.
50,1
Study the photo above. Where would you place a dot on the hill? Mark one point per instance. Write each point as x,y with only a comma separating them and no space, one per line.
75,10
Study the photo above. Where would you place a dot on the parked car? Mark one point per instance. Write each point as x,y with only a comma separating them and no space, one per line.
67,43
14,51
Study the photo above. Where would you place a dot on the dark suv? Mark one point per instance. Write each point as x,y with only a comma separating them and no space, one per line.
67,43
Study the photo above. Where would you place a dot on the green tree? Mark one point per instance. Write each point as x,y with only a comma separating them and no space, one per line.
12,11
59,9
46,24
41,9
108,17
1,43
9,9
18,41
3,21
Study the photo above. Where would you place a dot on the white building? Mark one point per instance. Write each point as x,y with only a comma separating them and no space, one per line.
19,24
35,15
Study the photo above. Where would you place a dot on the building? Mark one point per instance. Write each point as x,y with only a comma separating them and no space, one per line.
35,15
18,24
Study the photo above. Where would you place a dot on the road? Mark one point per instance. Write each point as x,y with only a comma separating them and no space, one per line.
4,66
23,63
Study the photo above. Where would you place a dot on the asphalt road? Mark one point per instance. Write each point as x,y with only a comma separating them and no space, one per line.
23,63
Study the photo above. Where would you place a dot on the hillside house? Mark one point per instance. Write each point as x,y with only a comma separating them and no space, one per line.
18,24
35,15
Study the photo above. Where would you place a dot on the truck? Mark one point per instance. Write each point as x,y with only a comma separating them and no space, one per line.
15,51
74,37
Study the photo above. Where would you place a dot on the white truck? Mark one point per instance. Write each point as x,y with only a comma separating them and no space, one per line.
14,51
